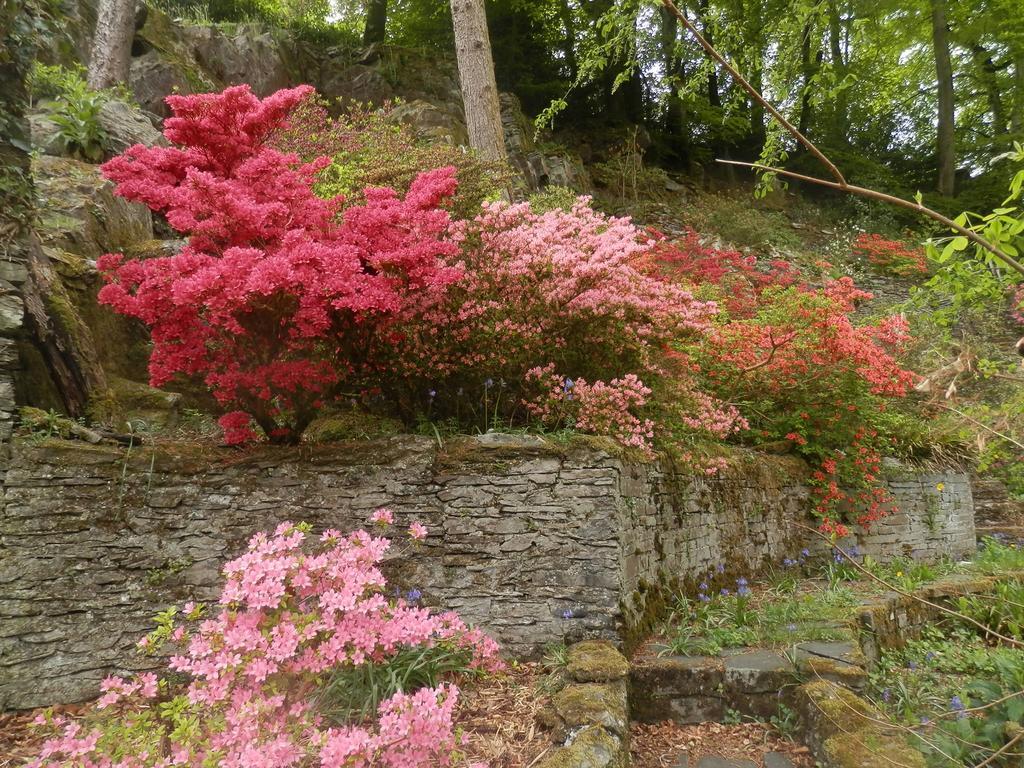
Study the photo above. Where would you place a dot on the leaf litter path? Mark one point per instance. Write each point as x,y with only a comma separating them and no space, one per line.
714,745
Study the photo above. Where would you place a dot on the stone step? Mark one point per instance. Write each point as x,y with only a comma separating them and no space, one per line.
751,681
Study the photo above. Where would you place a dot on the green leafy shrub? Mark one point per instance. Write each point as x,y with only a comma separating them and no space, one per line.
553,197
355,693
73,107
1002,611
369,149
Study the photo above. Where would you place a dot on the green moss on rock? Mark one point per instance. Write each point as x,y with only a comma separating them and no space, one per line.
595,661
601,704
867,749
592,748
844,731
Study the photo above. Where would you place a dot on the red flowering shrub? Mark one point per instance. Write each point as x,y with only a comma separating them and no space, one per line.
273,301
292,616
891,256
797,365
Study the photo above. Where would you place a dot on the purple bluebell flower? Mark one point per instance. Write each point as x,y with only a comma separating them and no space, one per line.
957,705
567,613
725,592
911,665
432,393
805,552
703,586
886,695
569,384
930,656
413,595
489,383
703,598
743,591
720,568
741,582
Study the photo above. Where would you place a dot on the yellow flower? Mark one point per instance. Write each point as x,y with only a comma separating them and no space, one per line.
939,486
899,574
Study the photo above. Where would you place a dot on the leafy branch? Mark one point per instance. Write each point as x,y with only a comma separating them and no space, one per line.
959,226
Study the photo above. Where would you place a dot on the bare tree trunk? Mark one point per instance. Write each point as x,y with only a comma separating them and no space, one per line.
810,69
944,72
376,22
569,42
675,109
988,74
111,52
1017,116
841,102
476,74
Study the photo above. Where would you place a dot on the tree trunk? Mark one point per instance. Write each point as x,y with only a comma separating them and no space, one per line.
988,74
754,13
810,69
476,74
946,126
841,102
111,52
1017,117
675,110
376,22
569,41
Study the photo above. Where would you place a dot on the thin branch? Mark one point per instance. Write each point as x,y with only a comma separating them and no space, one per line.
840,180
1001,750
984,426
893,588
872,194
776,346
754,93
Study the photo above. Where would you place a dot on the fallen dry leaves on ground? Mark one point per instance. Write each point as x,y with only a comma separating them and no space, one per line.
660,745
498,715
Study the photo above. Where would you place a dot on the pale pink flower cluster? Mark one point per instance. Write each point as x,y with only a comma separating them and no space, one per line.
711,415
600,408
290,615
576,282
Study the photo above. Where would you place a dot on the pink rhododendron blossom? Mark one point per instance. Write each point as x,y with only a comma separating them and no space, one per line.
383,516
291,615
418,531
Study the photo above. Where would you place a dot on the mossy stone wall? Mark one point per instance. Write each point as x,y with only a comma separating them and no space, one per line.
537,543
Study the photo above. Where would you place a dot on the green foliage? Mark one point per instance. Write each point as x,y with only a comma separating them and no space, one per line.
997,556
73,107
744,225
964,698
552,198
1002,611
370,148
712,623
355,693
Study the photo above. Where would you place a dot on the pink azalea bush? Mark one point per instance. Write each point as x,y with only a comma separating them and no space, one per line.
290,616
567,296
274,302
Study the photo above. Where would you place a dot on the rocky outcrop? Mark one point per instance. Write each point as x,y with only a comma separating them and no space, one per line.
79,220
